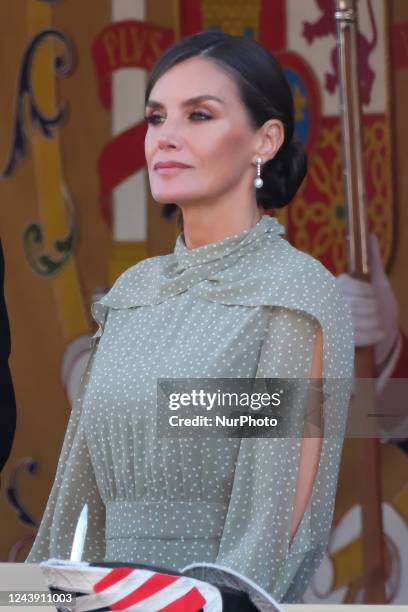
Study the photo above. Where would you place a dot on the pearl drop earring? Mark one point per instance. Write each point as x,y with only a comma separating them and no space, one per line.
258,182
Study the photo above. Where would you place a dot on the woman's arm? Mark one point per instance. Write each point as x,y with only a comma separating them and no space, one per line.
74,485
311,448
282,500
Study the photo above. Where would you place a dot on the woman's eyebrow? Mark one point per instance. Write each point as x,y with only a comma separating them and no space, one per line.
189,102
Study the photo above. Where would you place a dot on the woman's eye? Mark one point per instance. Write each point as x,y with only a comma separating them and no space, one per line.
155,119
200,114
152,119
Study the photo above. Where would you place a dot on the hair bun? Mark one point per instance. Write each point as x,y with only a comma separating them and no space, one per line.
282,176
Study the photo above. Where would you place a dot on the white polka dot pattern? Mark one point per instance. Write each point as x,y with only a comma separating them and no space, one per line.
246,306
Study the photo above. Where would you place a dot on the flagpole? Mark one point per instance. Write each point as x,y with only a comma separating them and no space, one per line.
366,450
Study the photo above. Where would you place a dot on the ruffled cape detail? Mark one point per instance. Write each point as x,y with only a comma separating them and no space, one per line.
280,275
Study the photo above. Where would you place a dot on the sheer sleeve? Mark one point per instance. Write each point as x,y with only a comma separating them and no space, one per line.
258,539
74,485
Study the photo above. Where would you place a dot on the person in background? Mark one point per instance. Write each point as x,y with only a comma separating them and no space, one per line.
375,313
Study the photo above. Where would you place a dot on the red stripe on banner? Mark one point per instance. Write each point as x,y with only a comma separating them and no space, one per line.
117,574
121,158
190,602
399,45
191,17
154,584
272,25
127,44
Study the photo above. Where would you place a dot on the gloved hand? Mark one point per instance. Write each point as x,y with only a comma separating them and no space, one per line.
374,311
74,363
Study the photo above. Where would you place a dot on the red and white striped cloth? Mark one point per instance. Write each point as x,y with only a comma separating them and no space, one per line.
131,589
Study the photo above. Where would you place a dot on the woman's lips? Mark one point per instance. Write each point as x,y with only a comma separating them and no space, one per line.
171,170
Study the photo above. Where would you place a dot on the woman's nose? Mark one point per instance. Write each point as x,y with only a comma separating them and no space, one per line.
166,142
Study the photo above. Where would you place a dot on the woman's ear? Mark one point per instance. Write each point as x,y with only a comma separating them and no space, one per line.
270,138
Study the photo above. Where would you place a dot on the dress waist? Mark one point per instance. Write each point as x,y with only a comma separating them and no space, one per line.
165,519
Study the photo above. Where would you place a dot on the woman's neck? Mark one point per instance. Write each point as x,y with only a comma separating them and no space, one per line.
202,227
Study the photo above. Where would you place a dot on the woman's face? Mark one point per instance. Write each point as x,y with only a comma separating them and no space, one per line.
212,135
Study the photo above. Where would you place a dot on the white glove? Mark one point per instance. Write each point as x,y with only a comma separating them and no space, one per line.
374,311
74,363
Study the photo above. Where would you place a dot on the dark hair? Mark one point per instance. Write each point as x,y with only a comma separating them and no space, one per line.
264,91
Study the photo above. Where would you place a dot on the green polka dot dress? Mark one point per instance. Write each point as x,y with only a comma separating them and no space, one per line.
246,306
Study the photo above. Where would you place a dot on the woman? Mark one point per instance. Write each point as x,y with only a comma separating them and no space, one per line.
234,300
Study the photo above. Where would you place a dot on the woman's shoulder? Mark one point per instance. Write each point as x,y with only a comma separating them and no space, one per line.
136,285
282,275
143,269
295,280
293,268
144,266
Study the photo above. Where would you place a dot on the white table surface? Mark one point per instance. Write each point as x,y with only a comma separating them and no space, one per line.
28,577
